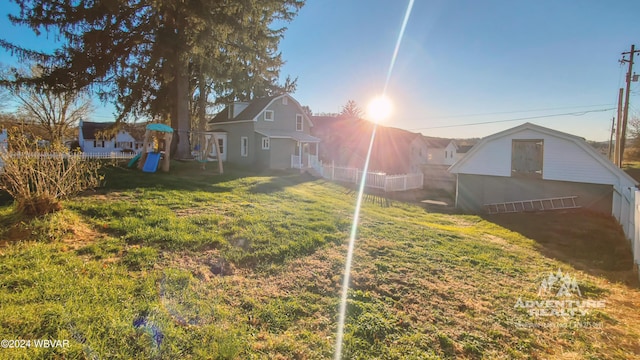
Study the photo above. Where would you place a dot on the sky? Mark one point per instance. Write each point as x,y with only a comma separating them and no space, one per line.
460,62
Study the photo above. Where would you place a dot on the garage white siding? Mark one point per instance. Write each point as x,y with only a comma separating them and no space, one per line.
566,157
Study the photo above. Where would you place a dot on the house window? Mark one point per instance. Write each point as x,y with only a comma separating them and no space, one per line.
285,101
220,146
299,123
526,158
244,146
98,143
268,115
265,143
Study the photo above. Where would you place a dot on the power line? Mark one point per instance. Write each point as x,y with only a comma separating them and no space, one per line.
577,113
518,111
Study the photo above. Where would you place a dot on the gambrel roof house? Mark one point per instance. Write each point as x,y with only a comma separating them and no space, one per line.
530,162
271,132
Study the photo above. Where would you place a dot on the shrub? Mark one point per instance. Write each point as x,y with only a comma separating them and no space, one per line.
39,178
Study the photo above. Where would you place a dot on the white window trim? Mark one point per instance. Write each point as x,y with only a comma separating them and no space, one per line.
299,116
221,146
268,112
266,143
285,101
244,150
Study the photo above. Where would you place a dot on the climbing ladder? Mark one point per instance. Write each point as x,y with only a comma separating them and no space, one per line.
559,203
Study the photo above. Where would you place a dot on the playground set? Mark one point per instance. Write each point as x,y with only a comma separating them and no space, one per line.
160,135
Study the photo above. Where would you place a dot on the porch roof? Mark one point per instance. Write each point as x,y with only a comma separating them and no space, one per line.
283,134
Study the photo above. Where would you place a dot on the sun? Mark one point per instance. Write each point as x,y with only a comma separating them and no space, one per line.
379,109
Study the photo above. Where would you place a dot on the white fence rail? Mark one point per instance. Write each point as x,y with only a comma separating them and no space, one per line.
628,215
375,180
113,155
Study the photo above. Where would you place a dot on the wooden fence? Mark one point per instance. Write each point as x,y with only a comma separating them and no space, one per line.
375,180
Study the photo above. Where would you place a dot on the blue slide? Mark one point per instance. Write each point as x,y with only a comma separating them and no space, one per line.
151,165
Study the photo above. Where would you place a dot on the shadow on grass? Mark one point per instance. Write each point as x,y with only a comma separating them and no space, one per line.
182,176
279,181
588,241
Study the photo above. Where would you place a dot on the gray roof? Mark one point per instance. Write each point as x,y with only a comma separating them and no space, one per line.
296,135
254,108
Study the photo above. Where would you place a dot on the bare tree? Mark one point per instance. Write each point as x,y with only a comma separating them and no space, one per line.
54,113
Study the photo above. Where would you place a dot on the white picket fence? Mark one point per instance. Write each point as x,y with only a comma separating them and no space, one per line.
375,180
112,155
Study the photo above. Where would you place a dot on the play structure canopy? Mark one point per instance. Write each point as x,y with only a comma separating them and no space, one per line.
160,128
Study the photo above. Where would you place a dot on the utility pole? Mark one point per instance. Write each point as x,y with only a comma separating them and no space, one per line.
613,131
616,154
625,115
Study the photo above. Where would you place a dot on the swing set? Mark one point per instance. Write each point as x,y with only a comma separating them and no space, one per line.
206,146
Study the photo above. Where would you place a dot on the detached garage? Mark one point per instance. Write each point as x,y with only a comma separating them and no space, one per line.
530,167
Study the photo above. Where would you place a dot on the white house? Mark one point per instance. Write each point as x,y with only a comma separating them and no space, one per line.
531,162
127,138
441,151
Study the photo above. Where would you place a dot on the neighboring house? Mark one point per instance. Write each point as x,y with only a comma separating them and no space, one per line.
346,142
461,151
441,151
419,153
271,132
531,162
98,137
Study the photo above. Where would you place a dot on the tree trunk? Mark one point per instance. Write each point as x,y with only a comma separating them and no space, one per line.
183,122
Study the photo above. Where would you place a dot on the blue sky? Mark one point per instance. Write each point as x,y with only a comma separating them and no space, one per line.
458,59
465,58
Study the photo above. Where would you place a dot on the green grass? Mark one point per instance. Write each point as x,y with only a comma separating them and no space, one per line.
195,265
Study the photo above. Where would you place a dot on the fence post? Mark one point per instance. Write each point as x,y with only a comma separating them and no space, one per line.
405,182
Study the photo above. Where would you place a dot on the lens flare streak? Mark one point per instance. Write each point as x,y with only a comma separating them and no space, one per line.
356,215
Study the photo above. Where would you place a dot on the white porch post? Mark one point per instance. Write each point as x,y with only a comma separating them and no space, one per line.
299,154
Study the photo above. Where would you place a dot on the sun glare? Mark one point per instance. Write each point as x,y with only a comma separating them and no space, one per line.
379,109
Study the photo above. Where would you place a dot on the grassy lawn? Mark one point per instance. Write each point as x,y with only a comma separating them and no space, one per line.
191,265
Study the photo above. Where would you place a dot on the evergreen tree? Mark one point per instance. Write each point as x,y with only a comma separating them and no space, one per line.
149,55
351,110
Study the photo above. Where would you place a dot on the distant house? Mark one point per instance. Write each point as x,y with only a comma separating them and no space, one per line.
461,151
530,162
346,142
271,132
441,151
101,137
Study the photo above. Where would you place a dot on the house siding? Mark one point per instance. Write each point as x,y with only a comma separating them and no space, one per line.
284,117
263,157
474,191
281,151
234,133
563,160
450,154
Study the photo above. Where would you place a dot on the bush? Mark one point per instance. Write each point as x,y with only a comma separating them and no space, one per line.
39,178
